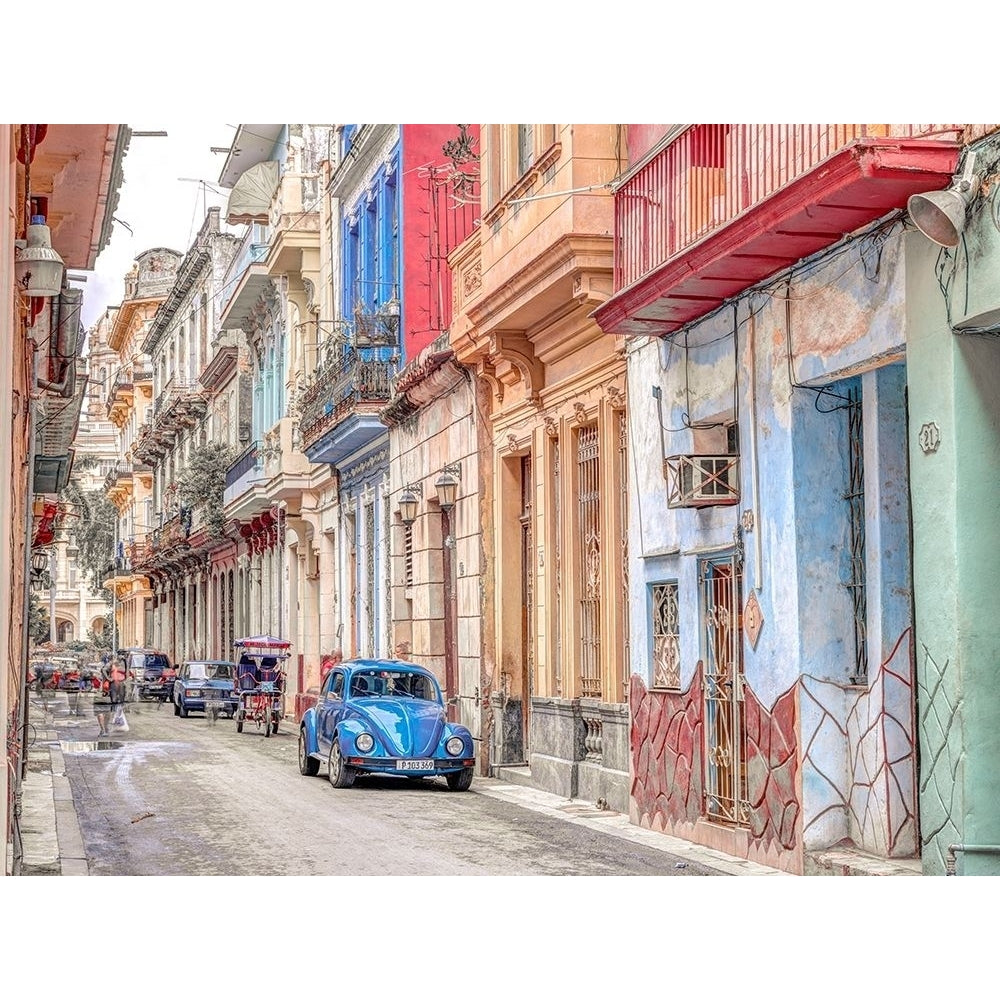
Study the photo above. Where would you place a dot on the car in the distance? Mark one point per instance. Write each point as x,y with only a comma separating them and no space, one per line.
384,717
203,685
152,671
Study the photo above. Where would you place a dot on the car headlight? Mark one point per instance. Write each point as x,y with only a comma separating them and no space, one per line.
192,693
455,746
364,742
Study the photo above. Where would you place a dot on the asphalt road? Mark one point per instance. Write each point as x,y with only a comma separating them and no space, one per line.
187,797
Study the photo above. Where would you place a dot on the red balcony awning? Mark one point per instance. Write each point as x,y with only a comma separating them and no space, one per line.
846,192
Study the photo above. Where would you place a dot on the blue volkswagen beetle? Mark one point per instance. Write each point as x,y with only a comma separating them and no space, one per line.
384,717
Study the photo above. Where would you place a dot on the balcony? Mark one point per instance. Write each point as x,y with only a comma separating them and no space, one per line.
182,403
282,461
722,207
243,474
341,404
120,396
118,483
245,281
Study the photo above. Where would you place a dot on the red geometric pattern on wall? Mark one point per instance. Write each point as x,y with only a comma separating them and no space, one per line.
772,770
666,756
667,748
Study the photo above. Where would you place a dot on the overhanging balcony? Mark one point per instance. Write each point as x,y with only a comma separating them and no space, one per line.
340,408
245,283
721,208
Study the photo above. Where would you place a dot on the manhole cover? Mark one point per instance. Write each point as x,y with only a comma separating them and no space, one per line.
89,746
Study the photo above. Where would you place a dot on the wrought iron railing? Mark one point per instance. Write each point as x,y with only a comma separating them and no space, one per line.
338,387
243,463
250,253
709,174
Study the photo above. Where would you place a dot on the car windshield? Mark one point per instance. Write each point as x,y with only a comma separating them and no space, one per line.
392,684
210,671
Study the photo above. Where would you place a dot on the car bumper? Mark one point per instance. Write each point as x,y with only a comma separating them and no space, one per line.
226,702
383,765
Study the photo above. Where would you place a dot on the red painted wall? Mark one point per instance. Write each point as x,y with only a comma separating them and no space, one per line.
432,223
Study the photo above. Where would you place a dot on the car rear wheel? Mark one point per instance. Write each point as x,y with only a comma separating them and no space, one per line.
460,781
308,766
341,776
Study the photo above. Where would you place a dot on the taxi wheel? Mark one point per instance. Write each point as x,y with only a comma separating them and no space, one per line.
308,766
341,776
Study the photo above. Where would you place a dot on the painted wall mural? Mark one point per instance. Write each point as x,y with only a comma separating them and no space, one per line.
667,783
870,798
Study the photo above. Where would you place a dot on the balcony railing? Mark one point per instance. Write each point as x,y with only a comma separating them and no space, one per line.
243,463
710,174
250,253
337,388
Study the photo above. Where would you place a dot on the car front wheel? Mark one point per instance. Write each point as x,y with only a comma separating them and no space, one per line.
177,709
460,781
182,709
341,776
308,766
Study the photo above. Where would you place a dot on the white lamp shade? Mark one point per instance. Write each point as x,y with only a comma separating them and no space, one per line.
38,269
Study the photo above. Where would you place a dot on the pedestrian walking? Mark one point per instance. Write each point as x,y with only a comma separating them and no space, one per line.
102,703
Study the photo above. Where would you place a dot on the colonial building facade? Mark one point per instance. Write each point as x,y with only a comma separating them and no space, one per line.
553,457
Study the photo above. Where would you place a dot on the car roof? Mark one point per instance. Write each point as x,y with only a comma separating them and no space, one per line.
373,664
217,663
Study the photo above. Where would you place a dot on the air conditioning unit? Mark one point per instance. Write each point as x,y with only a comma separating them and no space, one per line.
702,480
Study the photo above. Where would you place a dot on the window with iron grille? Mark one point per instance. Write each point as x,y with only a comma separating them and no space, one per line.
408,555
855,498
589,559
622,426
666,636
369,584
557,541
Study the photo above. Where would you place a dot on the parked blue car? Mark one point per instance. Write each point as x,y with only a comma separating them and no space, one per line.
201,682
384,717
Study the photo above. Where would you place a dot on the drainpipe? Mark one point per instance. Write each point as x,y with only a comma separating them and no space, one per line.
953,849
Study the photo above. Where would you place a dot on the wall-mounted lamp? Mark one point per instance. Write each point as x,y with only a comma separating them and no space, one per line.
940,215
407,502
447,485
38,269
39,566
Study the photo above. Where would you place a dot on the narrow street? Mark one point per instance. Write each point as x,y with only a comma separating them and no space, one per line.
179,796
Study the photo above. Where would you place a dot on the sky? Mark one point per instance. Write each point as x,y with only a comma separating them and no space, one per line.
169,184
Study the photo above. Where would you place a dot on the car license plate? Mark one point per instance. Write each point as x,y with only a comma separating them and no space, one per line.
414,765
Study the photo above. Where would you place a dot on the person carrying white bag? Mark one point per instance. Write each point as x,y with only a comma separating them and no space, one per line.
117,692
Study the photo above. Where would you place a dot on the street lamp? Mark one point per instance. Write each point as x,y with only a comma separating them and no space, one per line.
447,485
407,502
39,564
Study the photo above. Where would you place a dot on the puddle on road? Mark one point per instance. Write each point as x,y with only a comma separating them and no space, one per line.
89,746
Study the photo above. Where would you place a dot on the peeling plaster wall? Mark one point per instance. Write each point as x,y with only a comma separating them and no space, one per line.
853,766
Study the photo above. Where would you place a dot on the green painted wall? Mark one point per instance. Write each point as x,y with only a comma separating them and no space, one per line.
954,383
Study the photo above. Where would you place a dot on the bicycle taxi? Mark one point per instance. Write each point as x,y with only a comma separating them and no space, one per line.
260,681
